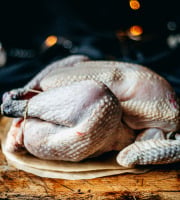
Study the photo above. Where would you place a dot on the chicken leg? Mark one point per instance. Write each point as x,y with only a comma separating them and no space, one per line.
74,125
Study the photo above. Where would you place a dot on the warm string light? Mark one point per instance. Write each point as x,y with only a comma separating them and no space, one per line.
134,4
51,40
136,30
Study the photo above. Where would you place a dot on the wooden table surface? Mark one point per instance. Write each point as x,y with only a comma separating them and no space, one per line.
163,182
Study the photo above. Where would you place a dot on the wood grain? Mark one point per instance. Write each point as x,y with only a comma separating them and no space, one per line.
163,182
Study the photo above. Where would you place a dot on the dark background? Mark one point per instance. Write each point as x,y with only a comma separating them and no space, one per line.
91,27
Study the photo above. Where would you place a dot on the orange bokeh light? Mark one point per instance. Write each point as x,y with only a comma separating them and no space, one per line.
51,40
136,30
134,4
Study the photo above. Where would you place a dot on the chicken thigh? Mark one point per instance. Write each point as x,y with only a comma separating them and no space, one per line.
85,108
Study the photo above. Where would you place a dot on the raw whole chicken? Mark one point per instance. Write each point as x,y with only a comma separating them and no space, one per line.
76,108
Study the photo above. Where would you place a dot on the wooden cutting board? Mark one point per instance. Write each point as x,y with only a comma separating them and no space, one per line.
163,182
